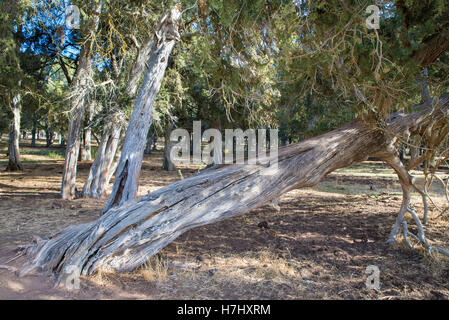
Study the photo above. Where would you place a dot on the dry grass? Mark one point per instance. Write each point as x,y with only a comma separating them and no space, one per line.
317,247
156,269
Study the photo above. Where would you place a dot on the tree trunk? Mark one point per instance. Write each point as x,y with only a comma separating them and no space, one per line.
68,187
14,163
168,145
61,139
86,151
33,136
79,91
149,146
103,167
128,170
127,236
98,181
155,143
151,141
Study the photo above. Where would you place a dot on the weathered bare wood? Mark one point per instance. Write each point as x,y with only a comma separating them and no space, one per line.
81,82
127,236
104,165
128,170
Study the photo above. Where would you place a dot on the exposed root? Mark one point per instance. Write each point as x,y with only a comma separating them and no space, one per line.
408,184
12,269
420,238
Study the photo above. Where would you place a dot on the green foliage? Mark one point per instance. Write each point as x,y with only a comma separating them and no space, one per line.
303,66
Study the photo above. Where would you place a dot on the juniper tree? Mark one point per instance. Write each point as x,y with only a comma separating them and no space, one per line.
319,48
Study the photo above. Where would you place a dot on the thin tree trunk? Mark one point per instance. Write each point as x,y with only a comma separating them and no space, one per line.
14,163
150,142
148,147
80,82
68,187
128,170
98,181
86,151
126,237
103,166
61,140
168,145
33,136
48,136
155,143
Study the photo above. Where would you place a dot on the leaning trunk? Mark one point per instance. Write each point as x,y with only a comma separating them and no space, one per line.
128,170
126,237
14,163
80,84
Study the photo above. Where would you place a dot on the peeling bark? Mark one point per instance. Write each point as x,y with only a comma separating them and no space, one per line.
103,167
127,236
33,136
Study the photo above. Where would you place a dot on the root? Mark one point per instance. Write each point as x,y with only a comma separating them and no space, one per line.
408,184
420,238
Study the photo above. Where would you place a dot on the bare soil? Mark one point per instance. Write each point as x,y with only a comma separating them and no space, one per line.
317,247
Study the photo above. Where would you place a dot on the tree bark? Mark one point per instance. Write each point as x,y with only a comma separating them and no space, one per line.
102,170
127,236
14,163
128,170
103,167
48,136
168,145
86,151
81,81
151,141
61,139
33,136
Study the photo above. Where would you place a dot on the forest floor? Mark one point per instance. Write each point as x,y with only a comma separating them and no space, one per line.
317,247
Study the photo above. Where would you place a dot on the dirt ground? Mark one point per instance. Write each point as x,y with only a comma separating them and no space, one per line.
317,247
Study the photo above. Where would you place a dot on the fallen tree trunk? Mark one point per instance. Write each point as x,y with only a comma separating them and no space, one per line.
127,236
